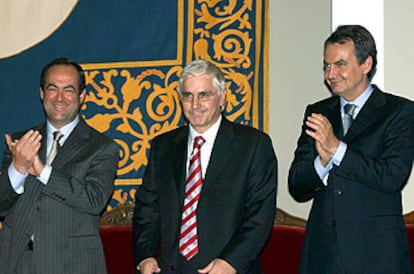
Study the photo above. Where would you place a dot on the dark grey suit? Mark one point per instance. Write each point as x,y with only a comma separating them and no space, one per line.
64,214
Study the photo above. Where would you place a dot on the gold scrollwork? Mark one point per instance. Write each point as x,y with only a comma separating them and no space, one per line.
223,35
151,92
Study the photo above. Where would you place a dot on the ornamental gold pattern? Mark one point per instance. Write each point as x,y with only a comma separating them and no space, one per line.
134,103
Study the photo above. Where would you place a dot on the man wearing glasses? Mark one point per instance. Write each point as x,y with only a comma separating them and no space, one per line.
208,197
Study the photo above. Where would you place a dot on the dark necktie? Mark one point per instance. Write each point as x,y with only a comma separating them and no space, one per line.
57,135
348,116
188,234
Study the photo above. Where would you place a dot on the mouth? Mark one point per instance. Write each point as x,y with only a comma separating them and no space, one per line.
335,82
59,107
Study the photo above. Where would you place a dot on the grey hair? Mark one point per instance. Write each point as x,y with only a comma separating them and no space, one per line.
203,67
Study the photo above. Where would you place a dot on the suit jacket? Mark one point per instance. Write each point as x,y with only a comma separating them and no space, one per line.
235,212
63,216
361,204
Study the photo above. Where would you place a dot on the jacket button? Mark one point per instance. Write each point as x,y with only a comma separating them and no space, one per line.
338,192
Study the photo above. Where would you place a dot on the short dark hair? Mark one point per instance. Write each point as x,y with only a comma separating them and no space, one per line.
67,62
363,41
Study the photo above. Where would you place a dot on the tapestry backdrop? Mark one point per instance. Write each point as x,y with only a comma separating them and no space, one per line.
133,53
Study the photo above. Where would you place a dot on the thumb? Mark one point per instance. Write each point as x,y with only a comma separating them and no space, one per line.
9,141
206,269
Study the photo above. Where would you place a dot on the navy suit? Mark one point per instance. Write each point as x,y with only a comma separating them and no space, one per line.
358,215
64,214
235,212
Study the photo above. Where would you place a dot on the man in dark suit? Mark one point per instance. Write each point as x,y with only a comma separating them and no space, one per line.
354,174
231,221
52,207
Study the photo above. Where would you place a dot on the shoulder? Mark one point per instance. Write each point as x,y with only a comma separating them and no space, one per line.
238,132
96,138
40,127
245,130
174,135
326,103
392,102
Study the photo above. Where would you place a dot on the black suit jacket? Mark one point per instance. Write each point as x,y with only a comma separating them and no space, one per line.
361,204
237,206
64,214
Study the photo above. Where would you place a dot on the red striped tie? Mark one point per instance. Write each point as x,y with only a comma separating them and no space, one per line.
188,236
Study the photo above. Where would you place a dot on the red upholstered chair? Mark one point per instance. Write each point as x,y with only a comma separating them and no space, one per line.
280,255
282,252
116,234
409,220
117,241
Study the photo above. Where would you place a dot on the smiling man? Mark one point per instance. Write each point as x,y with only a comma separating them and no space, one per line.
353,158
208,196
53,189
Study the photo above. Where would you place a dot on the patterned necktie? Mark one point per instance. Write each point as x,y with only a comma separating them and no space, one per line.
57,135
348,116
188,234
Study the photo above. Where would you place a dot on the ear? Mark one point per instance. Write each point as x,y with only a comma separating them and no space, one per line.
82,96
41,93
367,64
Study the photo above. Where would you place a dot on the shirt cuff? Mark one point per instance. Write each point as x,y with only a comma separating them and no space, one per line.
17,179
340,153
45,174
322,171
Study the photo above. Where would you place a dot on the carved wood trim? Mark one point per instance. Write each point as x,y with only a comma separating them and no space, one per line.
409,218
123,213
286,219
120,215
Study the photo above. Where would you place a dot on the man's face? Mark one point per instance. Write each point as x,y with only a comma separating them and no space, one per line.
342,72
61,97
201,113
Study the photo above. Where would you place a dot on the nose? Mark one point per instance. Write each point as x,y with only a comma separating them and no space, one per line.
59,95
195,102
330,72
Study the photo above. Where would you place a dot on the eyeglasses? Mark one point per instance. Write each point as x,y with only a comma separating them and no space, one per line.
202,96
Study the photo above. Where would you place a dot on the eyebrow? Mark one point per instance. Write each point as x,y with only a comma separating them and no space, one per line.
64,87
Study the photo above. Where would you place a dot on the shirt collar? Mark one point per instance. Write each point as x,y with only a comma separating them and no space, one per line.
209,135
66,130
359,102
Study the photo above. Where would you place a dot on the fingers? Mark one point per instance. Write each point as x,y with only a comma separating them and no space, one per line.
24,149
320,129
149,266
31,139
317,122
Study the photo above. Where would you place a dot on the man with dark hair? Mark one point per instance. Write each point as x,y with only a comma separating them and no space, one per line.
210,206
353,158
55,180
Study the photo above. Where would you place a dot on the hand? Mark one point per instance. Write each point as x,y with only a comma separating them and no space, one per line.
37,167
149,266
218,266
24,150
321,130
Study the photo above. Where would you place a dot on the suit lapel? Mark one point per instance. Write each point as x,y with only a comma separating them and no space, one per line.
333,113
222,152
179,164
75,142
368,114
43,131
